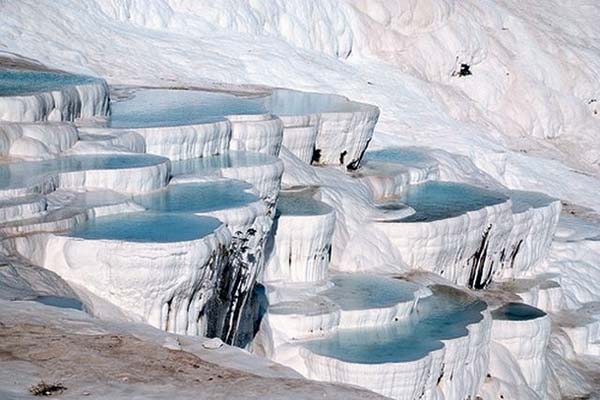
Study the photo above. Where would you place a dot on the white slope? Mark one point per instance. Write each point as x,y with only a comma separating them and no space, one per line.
530,98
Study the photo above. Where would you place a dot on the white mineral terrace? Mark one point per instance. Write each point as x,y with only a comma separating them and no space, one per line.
525,332
303,232
27,96
165,207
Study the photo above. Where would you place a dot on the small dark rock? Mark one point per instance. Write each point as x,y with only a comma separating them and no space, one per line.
45,389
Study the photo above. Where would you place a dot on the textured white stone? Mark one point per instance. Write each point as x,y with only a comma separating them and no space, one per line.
301,141
445,246
343,137
180,142
387,180
164,284
456,371
527,342
125,180
66,209
264,178
22,208
582,327
531,236
256,133
126,142
67,104
36,140
302,248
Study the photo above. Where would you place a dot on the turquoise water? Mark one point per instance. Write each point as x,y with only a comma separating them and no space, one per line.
517,312
147,227
299,203
433,201
60,302
233,159
522,200
406,156
443,316
20,82
362,292
198,197
286,102
19,174
167,107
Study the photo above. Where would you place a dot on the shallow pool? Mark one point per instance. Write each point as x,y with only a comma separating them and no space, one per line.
60,302
287,102
146,108
232,159
301,203
147,227
407,156
517,312
168,107
198,197
443,316
19,174
362,292
433,201
523,200
22,82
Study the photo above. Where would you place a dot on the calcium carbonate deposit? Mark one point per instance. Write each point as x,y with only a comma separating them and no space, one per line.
343,199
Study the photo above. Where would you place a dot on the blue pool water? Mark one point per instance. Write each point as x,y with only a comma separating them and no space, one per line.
439,200
443,316
166,107
18,174
22,82
362,292
60,302
300,203
232,159
286,102
198,197
169,107
517,312
145,227
522,200
407,156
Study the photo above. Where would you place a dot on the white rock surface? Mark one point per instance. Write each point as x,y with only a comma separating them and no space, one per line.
447,246
302,248
454,371
36,140
256,133
265,176
164,284
301,141
179,142
343,137
126,142
66,104
22,208
527,342
530,238
389,180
